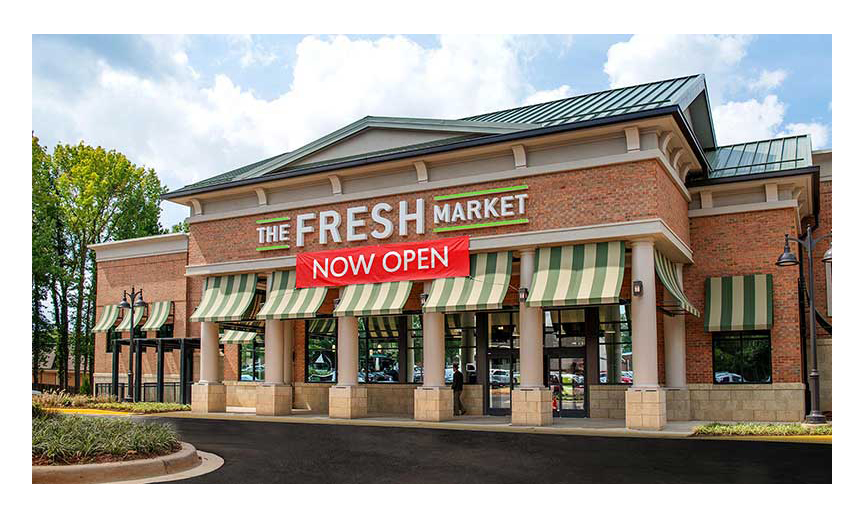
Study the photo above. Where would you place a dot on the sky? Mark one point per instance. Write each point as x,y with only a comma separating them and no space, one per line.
192,107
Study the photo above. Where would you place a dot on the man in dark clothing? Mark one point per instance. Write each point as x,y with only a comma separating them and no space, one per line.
458,409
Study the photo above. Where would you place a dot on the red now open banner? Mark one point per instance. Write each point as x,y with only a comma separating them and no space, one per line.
385,263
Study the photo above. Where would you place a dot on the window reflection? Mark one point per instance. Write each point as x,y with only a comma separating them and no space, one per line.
615,344
742,357
321,350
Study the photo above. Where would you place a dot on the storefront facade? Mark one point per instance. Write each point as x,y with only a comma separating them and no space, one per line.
613,264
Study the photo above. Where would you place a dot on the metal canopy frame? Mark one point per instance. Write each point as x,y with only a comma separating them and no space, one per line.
186,346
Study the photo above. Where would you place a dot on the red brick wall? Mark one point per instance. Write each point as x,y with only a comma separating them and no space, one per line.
821,290
739,244
162,277
615,193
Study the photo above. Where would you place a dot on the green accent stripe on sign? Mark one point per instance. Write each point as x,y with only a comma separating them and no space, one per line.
481,225
271,247
272,220
479,193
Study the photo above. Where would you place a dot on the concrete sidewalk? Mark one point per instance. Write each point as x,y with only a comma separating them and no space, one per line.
560,426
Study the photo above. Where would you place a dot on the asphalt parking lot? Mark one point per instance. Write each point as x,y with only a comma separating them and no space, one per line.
263,452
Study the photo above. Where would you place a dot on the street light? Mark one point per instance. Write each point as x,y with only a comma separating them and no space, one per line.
787,258
137,301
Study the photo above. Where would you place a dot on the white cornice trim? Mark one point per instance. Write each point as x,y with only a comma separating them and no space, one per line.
665,239
141,247
636,156
747,207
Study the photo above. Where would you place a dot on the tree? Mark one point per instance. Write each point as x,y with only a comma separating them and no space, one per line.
101,195
183,226
43,267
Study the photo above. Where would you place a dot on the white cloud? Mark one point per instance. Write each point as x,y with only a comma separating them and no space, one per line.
818,132
543,96
741,121
768,80
652,57
189,129
251,52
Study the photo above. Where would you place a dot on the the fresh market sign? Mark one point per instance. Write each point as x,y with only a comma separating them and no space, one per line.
451,212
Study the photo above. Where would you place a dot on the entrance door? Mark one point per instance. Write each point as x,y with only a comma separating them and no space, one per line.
503,369
565,376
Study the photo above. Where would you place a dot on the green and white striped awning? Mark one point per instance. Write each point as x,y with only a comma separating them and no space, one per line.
574,275
232,336
382,327
666,272
226,298
107,319
285,301
484,288
159,312
127,317
321,326
386,298
739,303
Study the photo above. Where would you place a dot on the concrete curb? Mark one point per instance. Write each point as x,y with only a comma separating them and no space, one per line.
431,425
185,459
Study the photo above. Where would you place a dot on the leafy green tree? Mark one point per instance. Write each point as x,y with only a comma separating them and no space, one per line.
43,267
102,196
183,226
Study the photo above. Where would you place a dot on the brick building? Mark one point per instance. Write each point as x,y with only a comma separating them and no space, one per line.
619,264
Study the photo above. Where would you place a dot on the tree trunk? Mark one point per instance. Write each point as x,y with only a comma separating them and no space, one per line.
79,310
91,321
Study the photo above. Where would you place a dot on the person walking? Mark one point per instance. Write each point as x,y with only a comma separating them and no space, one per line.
458,381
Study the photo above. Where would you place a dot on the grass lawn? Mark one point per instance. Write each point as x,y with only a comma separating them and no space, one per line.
72,439
763,429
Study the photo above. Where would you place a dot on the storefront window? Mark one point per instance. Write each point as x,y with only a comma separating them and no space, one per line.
379,349
565,328
460,346
742,357
166,331
321,350
615,344
252,362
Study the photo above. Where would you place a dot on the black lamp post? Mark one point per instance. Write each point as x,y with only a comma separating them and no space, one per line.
135,300
787,258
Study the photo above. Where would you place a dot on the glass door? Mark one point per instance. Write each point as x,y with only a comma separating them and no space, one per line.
565,376
502,361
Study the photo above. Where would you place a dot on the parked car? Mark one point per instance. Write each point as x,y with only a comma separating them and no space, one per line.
499,377
728,377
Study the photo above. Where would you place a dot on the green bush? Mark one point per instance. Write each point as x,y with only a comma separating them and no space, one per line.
38,411
85,386
141,408
718,429
60,439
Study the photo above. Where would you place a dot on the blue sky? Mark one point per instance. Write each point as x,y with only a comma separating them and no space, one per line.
195,106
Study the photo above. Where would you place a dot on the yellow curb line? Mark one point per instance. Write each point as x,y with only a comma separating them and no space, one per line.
91,411
448,425
811,439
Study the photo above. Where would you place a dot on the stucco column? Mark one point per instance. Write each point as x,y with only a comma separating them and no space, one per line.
530,329
274,348
675,345
348,399
433,348
288,352
645,401
208,395
644,313
347,352
209,353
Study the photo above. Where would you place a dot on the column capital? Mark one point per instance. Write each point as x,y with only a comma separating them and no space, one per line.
642,242
527,251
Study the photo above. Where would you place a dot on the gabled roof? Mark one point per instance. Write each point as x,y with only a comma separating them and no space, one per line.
583,110
761,156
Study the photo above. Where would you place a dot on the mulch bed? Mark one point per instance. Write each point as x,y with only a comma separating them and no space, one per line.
132,455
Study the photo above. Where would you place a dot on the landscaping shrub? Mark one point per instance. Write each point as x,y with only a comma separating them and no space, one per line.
718,429
142,407
38,411
61,439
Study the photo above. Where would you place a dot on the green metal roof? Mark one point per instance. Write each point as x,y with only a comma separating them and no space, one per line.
762,156
597,105
680,91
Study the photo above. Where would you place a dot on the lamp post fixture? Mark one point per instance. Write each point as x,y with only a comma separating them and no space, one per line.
135,300
787,258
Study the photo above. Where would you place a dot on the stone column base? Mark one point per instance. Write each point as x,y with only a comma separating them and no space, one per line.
645,408
531,407
208,397
348,402
274,399
433,404
677,404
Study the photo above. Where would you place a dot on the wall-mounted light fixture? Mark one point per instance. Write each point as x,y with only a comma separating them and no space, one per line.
423,298
523,294
637,288
336,302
